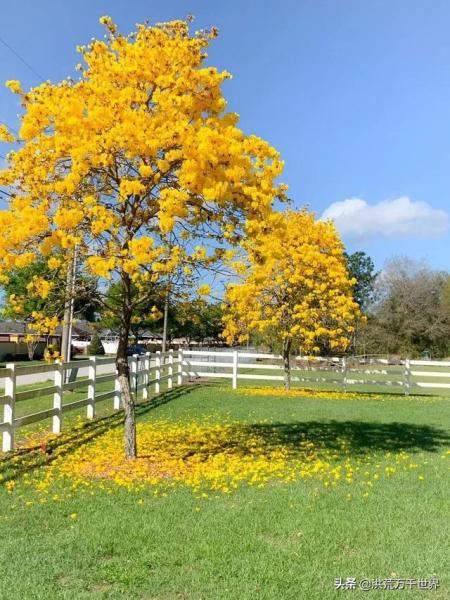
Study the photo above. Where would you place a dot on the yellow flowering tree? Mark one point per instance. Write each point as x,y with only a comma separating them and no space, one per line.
140,148
36,294
294,288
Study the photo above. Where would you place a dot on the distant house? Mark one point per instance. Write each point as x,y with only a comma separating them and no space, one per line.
149,337
13,344
110,339
82,334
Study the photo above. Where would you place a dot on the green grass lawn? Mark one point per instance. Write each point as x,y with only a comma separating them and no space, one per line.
275,539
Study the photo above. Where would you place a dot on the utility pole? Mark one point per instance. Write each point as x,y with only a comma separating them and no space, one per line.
66,340
166,316
166,307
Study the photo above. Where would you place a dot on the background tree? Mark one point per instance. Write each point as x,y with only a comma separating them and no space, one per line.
95,348
412,311
138,149
197,320
147,314
296,288
191,317
361,268
36,292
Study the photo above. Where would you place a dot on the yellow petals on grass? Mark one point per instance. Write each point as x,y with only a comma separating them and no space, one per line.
305,393
211,458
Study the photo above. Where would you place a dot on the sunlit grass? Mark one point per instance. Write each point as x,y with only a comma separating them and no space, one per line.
241,494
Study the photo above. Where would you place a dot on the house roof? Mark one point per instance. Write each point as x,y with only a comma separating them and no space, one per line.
15,328
107,333
20,327
12,327
83,328
144,334
149,334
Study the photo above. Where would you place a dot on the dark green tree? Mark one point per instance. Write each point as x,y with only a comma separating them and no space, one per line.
86,303
361,267
144,316
411,314
95,348
197,320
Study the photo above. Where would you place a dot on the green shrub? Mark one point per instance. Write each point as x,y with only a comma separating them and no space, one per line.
96,346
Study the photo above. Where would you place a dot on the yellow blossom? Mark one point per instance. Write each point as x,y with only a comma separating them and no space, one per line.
204,290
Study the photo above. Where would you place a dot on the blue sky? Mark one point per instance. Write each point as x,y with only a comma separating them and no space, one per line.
355,96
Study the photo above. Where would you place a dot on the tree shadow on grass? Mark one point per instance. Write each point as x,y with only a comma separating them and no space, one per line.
359,437
299,440
344,438
23,460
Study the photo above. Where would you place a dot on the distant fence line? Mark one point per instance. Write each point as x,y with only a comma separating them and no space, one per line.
172,368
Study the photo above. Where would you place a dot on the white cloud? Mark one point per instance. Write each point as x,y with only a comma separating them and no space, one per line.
357,219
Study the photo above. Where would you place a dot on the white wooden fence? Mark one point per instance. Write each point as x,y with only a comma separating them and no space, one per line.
406,375
145,370
152,370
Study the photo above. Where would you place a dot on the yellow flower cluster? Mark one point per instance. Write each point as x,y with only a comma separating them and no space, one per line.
54,262
155,314
16,304
5,135
114,161
40,286
204,290
296,288
14,86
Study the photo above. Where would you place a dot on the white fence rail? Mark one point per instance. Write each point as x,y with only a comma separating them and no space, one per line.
169,368
344,372
145,371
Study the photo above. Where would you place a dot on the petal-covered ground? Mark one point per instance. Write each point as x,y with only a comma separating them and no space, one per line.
213,457
246,494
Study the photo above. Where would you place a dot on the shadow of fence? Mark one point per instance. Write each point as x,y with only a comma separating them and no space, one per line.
23,460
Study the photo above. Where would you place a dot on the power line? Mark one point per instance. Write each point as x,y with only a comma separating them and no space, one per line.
27,64
9,127
67,326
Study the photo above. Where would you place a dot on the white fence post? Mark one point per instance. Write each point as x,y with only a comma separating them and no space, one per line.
180,367
158,372
58,397
134,376
9,408
235,369
344,374
411,380
90,409
407,383
170,371
117,392
145,375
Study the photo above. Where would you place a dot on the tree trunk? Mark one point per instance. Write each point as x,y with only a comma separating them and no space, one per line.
287,363
31,349
31,343
123,371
